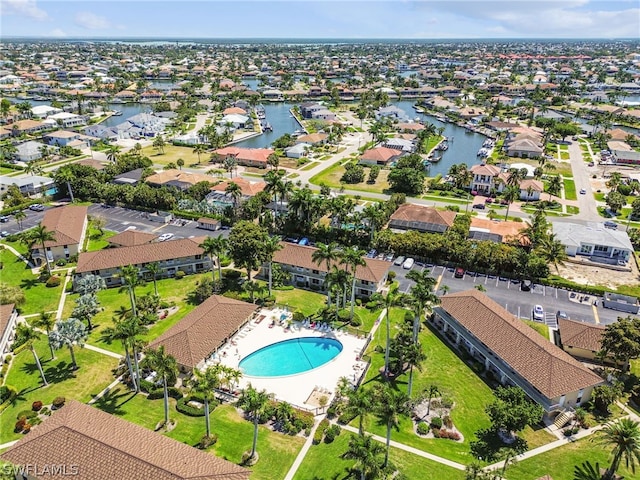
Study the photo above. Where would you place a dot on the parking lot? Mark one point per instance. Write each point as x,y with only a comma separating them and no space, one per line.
508,293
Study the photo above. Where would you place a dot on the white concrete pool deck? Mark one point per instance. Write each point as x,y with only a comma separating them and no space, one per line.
295,389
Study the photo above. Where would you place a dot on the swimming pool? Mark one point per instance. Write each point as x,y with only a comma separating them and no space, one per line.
290,357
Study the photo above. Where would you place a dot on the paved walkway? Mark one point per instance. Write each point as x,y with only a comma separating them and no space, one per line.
103,351
34,270
63,296
303,451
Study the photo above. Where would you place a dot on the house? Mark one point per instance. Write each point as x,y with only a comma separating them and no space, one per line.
531,189
409,216
178,178
67,120
313,138
379,156
131,177
250,157
69,225
29,151
247,190
307,109
173,255
496,231
484,178
204,330
87,443
30,185
27,126
594,241
324,114
627,157
43,111
525,145
129,238
298,150
209,223
580,339
8,322
512,352
392,112
401,144
62,138
305,273
237,121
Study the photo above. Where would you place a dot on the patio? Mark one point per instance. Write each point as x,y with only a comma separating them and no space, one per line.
272,326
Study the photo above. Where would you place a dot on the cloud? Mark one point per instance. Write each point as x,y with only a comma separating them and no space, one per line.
58,32
91,21
27,8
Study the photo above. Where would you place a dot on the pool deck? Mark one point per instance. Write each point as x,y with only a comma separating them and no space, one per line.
295,389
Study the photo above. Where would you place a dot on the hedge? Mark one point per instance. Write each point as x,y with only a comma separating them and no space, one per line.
159,393
575,287
322,427
8,397
183,406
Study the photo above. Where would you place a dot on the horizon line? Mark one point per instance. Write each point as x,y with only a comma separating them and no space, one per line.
154,37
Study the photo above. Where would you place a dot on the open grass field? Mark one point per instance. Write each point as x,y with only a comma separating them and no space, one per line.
173,152
331,177
97,241
92,376
569,189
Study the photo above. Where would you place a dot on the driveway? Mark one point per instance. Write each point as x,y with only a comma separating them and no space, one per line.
581,177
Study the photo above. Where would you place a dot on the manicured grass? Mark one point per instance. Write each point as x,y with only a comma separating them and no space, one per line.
324,462
309,166
93,375
38,296
305,301
538,327
572,210
96,241
446,199
172,153
331,177
277,451
560,462
564,155
600,197
569,189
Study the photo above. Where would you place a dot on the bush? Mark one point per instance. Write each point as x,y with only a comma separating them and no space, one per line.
329,436
36,406
302,420
447,421
355,321
446,402
231,274
61,262
317,437
182,405
159,393
298,316
436,422
21,425
7,359
345,418
180,274
26,414
343,315
447,434
5,393
53,281
207,441
422,428
58,402
436,432
391,275
45,411
7,396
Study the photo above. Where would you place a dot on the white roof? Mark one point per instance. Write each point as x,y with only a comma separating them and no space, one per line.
63,116
44,109
573,234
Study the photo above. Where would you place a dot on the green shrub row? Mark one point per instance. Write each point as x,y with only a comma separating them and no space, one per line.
159,393
317,437
8,397
183,406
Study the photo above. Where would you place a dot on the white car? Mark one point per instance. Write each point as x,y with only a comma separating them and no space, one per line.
538,313
408,263
165,236
583,191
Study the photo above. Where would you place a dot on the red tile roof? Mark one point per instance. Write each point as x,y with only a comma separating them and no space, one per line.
380,154
409,212
248,189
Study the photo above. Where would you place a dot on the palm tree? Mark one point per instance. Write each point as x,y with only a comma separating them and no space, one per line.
366,452
235,192
552,250
90,284
47,321
68,333
125,330
352,258
329,254
431,391
130,276
586,471
390,406
253,288
113,153
624,436
165,367
66,175
29,335
215,247
204,382
414,356
154,269
40,235
272,245
554,186
422,294
19,216
360,404
254,403
390,299
510,195
199,149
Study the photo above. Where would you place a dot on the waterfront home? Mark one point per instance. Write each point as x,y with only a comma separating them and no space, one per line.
65,138
8,322
250,157
66,120
27,126
29,151
305,273
401,144
172,256
178,178
409,216
324,114
69,225
485,178
248,190
31,185
392,112
594,241
87,443
307,109
297,151
236,121
513,352
380,156
524,146
204,330
313,138
43,111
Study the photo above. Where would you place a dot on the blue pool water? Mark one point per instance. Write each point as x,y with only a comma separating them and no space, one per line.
290,357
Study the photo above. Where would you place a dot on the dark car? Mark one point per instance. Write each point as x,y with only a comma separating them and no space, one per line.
4,219
525,285
459,272
560,314
479,206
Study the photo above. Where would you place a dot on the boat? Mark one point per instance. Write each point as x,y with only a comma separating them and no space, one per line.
443,146
116,113
467,130
268,127
488,143
483,152
435,159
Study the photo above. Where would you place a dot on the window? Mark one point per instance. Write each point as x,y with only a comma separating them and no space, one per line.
315,281
315,272
600,248
198,257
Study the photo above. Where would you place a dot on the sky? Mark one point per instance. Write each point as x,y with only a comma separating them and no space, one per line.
395,19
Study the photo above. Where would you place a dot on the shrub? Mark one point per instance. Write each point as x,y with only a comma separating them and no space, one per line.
436,422
21,425
298,316
159,393
391,276
207,440
447,421
343,315
61,262
45,411
5,393
355,321
436,432
345,418
329,436
182,405
302,420
53,281
231,274
8,358
180,274
422,428
317,437
58,402
450,435
446,402
36,406
26,414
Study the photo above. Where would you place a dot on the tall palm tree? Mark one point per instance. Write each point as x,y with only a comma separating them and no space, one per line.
199,149
64,174
19,217
552,250
414,356
39,235
121,331
554,186
130,276
215,247
165,367
390,299
510,195
366,452
360,404
422,295
47,321
154,269
624,436
68,333
204,382
235,192
29,335
338,281
329,254
431,391
272,245
390,406
254,403
113,153
352,257
587,471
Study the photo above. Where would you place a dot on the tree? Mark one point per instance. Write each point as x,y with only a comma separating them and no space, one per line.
215,247
159,143
154,269
234,191
199,149
180,163
329,254
126,331
68,333
352,258
113,153
47,321
366,452
204,382
254,403
130,276
431,391
360,404
586,471
408,175
413,355
552,251
615,200
272,245
554,187
621,340
512,410
247,245
39,235
29,336
20,216
89,284
165,367
86,307
422,295
624,436
606,395
390,406
65,175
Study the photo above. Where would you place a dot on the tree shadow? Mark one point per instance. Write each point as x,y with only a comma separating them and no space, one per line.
112,401
490,447
60,372
29,283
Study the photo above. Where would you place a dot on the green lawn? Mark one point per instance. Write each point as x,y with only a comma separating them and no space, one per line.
569,189
331,177
305,301
277,451
309,166
324,462
96,241
446,199
560,462
90,379
538,327
572,210
38,296
173,152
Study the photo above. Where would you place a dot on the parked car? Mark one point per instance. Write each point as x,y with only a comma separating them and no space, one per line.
4,234
525,285
610,224
388,257
479,206
459,272
371,254
560,314
37,207
303,241
408,263
165,237
583,191
4,219
538,313
399,261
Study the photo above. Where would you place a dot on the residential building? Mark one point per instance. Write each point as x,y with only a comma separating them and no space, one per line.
131,177
305,273
69,225
298,150
204,330
236,121
64,138
380,156
8,322
313,138
30,151
324,114
129,238
307,109
43,111
209,223
409,216
582,340
594,241
27,126
497,231
392,112
31,185
87,443
512,352
525,145
173,255
247,190
484,178
626,157
67,120
531,189
179,179
250,157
